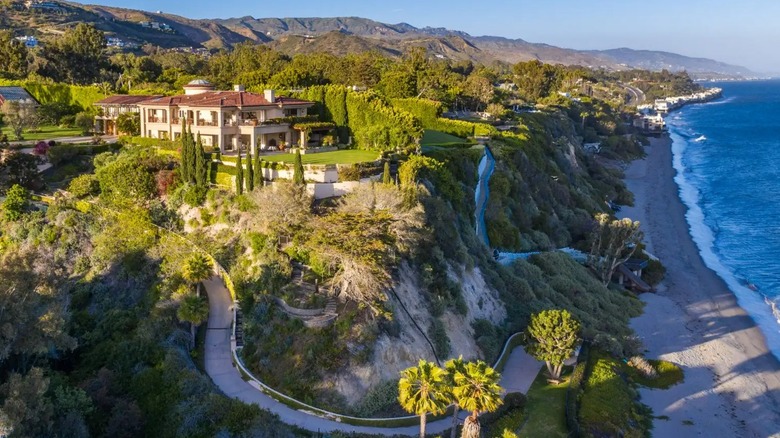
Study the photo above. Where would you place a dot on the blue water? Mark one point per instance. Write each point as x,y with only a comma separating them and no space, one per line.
727,156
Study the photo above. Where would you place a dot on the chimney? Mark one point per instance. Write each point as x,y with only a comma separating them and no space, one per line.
238,87
269,96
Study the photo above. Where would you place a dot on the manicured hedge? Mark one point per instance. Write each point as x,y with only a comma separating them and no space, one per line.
377,125
170,145
429,114
223,175
371,121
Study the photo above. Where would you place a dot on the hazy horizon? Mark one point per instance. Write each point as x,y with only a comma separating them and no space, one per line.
716,29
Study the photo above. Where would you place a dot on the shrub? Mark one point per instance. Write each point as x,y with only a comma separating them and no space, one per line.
195,195
41,148
85,121
609,405
667,374
439,338
349,173
654,272
15,203
165,180
643,366
83,186
62,153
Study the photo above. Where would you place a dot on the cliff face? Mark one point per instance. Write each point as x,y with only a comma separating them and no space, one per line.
393,353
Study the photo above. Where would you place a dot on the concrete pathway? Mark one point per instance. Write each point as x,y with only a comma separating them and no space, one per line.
519,372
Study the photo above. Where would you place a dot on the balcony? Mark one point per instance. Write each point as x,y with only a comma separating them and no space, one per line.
202,122
156,120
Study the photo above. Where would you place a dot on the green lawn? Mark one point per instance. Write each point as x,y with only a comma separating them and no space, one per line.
545,409
347,156
45,133
431,137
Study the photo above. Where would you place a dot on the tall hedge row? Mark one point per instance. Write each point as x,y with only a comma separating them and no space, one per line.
377,125
429,113
371,121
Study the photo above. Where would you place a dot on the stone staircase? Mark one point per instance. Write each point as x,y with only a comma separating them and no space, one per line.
239,329
312,318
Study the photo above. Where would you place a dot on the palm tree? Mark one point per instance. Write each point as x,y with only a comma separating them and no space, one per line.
195,310
196,269
477,390
421,390
453,367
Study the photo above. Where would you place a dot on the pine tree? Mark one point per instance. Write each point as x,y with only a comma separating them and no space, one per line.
239,175
201,167
386,179
298,177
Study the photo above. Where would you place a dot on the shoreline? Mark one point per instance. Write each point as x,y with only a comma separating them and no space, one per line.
732,379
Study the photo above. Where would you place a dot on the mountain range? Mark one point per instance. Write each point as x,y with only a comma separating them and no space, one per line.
342,35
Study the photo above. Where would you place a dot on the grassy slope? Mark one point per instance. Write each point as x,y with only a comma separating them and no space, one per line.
431,137
545,409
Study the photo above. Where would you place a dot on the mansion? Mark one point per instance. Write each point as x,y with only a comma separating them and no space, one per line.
228,121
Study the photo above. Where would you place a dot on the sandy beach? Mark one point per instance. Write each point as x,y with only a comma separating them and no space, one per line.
732,381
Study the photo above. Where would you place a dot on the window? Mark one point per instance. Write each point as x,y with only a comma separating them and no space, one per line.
291,112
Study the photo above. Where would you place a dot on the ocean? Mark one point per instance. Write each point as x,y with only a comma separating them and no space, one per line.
727,157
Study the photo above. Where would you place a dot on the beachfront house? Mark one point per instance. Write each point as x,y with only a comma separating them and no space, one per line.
228,121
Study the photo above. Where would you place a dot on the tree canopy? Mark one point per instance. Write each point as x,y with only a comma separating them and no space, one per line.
554,334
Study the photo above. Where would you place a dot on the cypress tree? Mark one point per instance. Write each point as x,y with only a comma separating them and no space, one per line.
386,174
298,177
258,170
239,175
184,168
201,169
250,173
192,157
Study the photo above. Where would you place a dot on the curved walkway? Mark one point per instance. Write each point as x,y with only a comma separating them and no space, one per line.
518,375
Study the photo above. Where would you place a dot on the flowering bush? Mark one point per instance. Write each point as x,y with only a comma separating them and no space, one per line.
41,148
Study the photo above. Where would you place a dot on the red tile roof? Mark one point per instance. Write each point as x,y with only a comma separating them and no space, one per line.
222,99
123,99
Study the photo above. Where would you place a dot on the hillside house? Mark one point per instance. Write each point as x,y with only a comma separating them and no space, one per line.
226,120
29,41
111,107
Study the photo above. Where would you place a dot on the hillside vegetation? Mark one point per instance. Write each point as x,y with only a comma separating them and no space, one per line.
108,338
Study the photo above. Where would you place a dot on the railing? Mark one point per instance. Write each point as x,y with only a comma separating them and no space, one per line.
202,122
156,120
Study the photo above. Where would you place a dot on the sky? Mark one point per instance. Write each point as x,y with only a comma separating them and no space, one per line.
741,32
